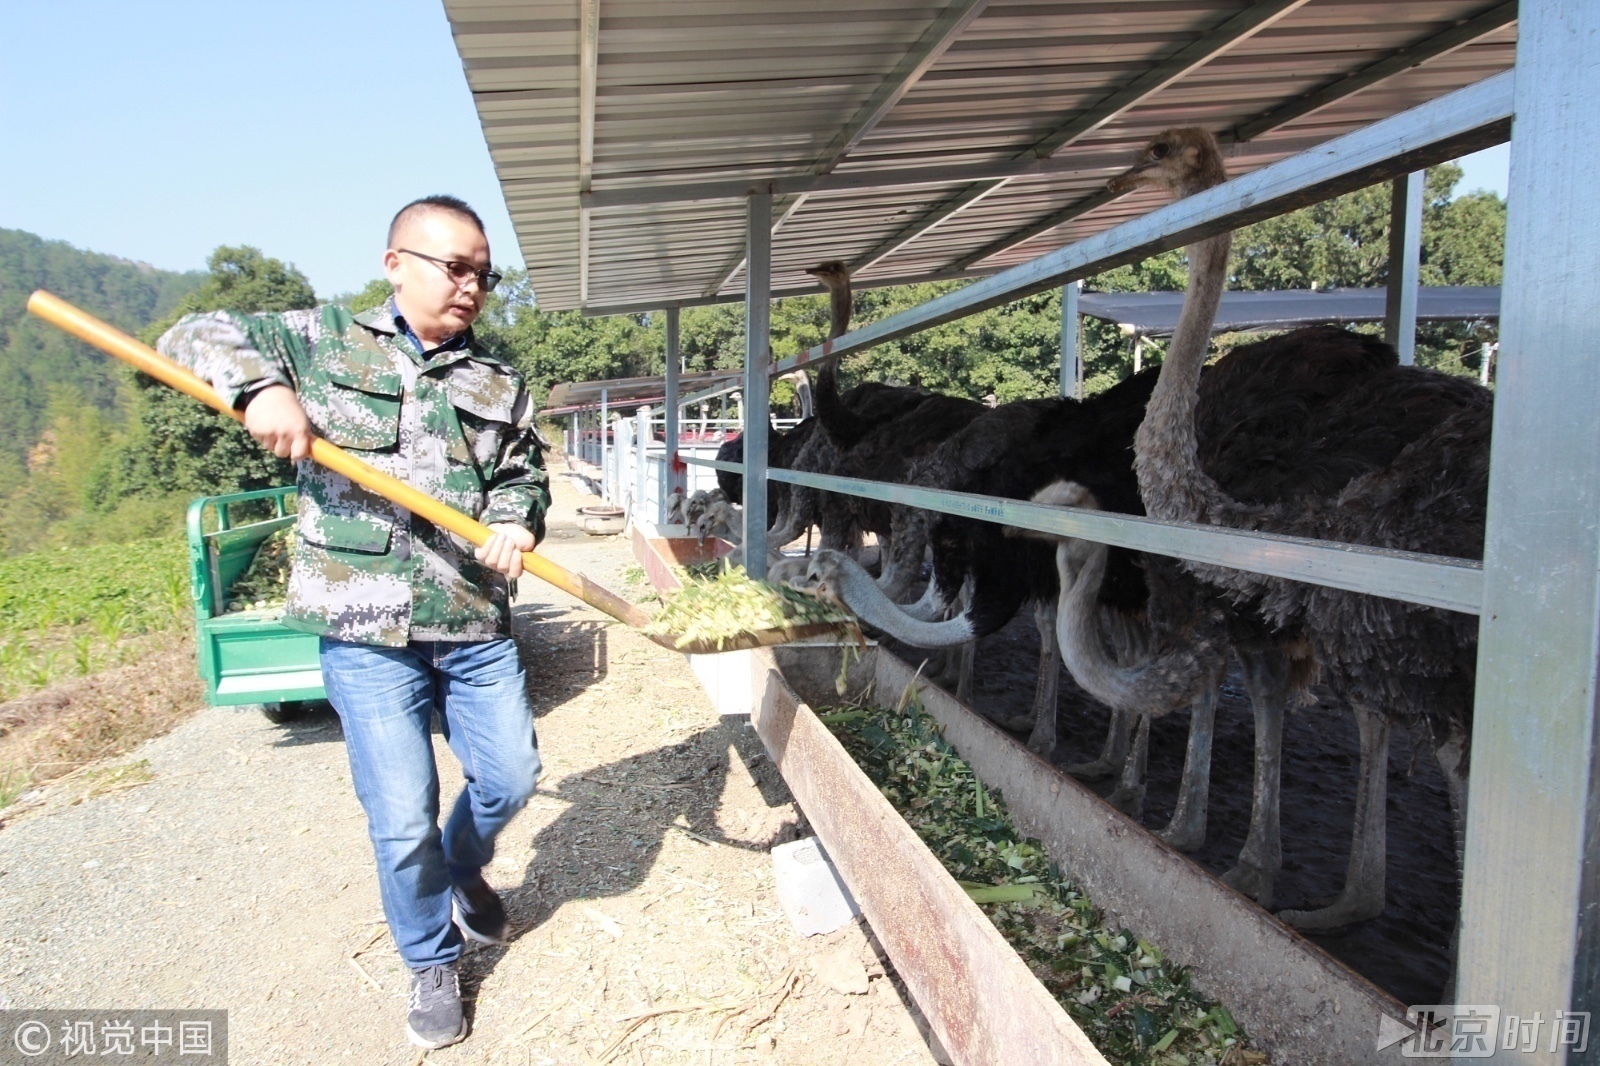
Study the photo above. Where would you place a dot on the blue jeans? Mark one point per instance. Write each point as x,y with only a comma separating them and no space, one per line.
386,699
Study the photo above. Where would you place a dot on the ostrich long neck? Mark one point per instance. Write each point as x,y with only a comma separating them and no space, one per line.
1161,683
861,594
1166,451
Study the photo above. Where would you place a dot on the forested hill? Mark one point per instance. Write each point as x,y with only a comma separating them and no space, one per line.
35,357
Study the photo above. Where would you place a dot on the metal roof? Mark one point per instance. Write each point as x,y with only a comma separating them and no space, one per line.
1155,314
913,139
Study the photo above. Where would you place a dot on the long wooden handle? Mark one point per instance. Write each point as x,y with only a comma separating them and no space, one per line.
109,339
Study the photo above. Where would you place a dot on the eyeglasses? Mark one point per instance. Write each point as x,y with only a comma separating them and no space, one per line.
460,272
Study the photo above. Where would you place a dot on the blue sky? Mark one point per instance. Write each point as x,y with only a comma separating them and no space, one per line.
157,131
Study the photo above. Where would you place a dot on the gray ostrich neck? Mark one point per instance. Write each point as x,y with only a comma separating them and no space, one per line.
861,594
1157,685
840,304
1166,452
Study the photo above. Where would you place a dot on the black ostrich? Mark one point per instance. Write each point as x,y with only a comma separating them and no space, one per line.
1268,400
1417,447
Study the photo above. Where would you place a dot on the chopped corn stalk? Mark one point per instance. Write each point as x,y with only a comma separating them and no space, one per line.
266,583
716,612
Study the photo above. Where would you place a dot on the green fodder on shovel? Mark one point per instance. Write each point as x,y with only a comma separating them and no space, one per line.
719,610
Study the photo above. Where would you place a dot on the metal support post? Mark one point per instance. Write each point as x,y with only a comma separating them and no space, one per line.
605,447
641,458
675,479
1405,265
1138,352
1071,328
1530,940
757,381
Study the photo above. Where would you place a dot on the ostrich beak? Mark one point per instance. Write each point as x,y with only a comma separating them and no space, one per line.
1131,178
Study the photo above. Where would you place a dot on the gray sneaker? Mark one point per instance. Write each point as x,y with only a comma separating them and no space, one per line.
435,1019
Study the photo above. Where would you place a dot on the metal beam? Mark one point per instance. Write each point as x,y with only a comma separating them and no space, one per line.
588,79
938,37
1496,17
1082,164
728,273
757,382
1412,577
675,472
1530,934
1460,122
714,464
646,307
1245,24
1405,265
939,213
1397,63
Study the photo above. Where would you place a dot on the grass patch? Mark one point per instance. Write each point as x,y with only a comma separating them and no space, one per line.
1137,1008
74,612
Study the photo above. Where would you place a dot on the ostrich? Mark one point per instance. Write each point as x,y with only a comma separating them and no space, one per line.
1389,661
1018,448
854,413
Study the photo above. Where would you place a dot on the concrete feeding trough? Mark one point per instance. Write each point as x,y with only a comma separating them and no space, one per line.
1299,1004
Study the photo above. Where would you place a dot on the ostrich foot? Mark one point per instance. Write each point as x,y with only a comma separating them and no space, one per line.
1128,798
1112,756
1254,882
1186,831
1096,770
1016,723
1350,908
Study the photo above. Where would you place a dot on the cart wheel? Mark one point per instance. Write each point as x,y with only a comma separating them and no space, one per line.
281,713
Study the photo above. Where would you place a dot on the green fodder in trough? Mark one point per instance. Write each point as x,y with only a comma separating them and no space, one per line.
1137,1008
720,610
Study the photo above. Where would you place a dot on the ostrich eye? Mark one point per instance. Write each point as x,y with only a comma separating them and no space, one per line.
1158,150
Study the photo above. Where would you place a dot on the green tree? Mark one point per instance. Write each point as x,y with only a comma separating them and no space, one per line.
179,445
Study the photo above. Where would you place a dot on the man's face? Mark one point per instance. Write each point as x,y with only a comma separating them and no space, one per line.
435,306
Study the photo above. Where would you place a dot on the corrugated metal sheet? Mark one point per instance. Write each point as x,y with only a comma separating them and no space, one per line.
745,91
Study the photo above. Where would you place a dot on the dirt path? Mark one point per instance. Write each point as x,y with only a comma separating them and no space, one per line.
240,876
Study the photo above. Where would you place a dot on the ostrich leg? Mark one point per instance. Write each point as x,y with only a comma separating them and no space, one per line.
1363,895
1042,741
1266,675
1112,755
1452,756
1128,796
1187,830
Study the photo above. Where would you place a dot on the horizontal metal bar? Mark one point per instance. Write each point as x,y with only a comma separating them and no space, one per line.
1467,119
1411,577
848,181
711,393
1406,58
715,464
645,307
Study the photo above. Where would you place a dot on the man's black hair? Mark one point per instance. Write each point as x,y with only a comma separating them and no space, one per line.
453,204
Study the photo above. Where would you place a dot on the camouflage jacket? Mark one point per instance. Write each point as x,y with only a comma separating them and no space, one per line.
457,425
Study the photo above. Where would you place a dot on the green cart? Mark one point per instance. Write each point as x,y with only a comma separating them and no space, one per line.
247,657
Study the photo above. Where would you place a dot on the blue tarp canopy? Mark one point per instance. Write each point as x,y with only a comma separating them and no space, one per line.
1155,314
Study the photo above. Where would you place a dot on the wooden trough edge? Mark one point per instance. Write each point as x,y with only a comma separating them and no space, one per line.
979,997
1299,1004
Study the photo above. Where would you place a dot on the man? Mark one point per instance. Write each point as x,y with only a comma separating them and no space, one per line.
413,620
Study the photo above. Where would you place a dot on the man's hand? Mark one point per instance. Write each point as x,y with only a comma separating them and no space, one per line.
275,418
503,551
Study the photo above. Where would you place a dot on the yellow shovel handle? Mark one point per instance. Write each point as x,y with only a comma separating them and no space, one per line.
142,357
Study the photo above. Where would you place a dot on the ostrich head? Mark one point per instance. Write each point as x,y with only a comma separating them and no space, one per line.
1067,494
1182,161
718,519
835,277
825,573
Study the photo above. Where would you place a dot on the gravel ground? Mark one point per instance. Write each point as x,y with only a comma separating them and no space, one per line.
239,876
